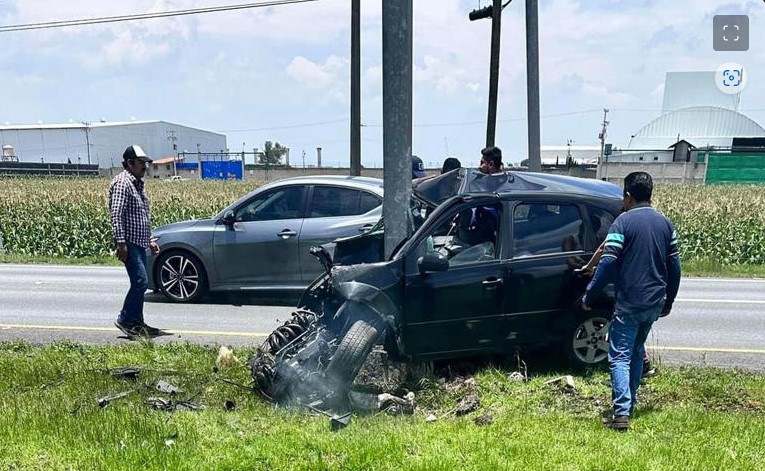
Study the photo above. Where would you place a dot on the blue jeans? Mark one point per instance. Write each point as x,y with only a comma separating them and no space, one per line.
627,334
132,308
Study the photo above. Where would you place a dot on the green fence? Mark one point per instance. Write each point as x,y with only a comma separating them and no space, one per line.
743,168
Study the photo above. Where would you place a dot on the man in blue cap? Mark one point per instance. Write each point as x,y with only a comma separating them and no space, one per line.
418,168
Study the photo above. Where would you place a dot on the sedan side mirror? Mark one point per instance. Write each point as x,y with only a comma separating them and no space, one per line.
228,218
433,262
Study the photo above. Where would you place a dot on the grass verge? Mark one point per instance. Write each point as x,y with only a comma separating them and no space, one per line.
690,418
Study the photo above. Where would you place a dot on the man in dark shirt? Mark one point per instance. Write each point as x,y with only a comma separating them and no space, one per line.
641,256
131,228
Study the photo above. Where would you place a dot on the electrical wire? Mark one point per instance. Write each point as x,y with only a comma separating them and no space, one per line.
144,16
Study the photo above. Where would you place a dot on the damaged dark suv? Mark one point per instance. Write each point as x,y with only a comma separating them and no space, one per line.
491,269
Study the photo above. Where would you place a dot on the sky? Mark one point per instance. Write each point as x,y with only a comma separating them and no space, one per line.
283,73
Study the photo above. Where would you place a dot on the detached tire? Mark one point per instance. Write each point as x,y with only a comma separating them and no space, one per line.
353,351
586,343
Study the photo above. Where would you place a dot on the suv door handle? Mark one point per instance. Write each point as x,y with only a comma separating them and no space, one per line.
366,227
491,283
287,233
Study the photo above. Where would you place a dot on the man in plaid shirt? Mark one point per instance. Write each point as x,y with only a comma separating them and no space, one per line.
131,229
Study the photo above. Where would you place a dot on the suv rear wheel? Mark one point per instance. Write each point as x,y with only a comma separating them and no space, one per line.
587,341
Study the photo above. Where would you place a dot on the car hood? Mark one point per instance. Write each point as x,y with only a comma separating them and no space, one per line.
179,226
467,180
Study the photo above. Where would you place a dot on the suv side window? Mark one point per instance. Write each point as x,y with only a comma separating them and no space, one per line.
468,236
546,228
284,203
601,221
330,201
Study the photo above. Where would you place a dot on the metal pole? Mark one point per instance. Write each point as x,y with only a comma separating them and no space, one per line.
397,120
532,83
356,87
496,25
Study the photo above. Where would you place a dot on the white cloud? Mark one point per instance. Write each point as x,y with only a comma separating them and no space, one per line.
313,75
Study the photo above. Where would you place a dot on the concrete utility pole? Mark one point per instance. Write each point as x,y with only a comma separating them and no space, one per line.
397,120
532,83
602,137
494,12
87,138
355,87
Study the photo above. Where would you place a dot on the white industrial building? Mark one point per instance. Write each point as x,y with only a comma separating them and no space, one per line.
102,143
694,112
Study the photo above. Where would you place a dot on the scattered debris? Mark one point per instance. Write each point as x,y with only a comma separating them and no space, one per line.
431,418
163,404
389,403
394,405
468,404
106,400
130,372
564,383
169,442
485,419
516,376
336,422
165,387
226,358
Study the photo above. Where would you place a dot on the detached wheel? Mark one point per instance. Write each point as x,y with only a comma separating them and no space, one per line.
587,341
181,276
353,351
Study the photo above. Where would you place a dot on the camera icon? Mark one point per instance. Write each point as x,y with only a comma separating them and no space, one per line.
731,78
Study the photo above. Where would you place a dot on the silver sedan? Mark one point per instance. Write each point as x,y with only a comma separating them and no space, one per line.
262,241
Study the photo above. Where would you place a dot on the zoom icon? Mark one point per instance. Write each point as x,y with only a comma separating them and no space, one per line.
731,78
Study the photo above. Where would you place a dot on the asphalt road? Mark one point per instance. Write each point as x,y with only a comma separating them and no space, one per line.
718,322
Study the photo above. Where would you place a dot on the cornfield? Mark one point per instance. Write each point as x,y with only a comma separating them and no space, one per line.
69,217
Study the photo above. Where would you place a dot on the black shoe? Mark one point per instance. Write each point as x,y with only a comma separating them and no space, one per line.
648,370
151,331
619,423
126,329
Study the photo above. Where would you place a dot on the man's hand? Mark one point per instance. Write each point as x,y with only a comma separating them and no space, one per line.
154,247
122,252
666,310
585,306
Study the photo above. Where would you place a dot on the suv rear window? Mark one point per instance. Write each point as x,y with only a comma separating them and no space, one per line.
546,228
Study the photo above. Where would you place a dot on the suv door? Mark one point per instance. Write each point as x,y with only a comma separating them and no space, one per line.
334,212
460,310
261,247
548,242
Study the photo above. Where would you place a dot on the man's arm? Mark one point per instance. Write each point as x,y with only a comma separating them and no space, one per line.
674,270
607,266
117,204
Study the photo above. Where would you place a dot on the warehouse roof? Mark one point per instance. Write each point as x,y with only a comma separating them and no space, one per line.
699,125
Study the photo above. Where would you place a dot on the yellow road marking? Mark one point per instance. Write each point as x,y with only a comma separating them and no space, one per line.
706,350
114,329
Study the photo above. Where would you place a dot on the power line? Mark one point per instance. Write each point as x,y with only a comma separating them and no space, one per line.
289,126
144,16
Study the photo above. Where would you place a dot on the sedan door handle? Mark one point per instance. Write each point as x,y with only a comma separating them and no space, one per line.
492,283
287,233
366,227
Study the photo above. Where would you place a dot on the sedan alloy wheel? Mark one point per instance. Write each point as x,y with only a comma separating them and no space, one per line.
181,277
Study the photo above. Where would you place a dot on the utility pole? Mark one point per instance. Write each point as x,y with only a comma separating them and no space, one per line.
602,137
171,137
87,138
532,84
355,87
397,120
494,12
